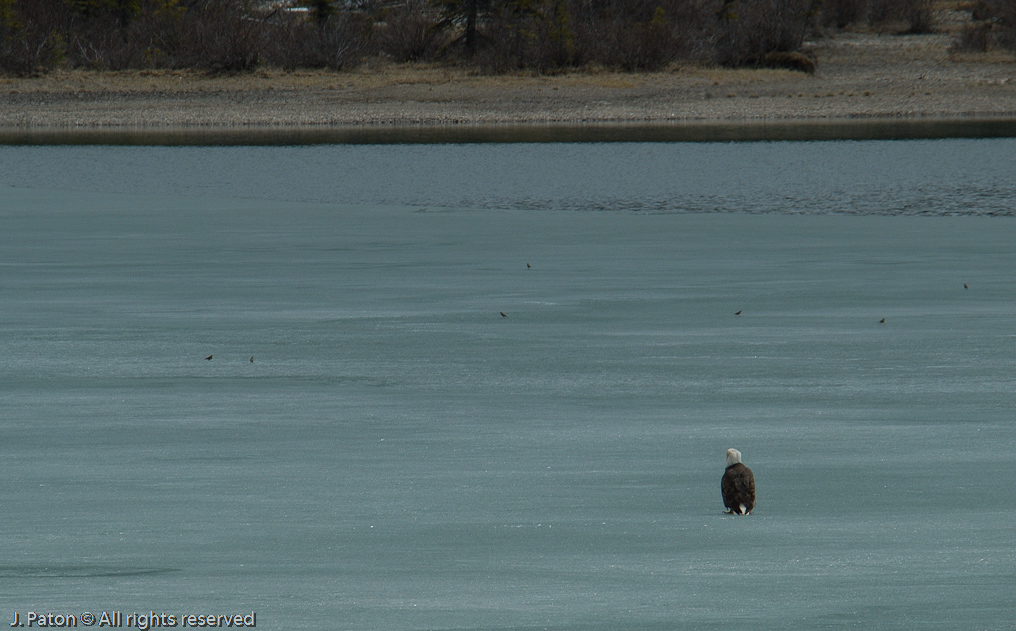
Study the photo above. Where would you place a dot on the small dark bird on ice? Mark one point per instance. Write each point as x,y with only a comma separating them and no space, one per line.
209,358
965,286
504,315
528,266
252,359
882,321
738,312
737,485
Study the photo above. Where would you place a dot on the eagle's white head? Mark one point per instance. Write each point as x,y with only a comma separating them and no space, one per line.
733,457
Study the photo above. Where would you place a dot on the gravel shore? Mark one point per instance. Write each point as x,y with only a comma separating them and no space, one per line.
860,76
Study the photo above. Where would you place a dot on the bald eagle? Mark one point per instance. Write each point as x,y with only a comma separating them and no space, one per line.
737,485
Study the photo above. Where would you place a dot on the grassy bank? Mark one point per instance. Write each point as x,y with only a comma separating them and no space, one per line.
861,74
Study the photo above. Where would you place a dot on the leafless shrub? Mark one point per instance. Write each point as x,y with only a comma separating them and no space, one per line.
1002,15
517,36
843,13
409,33
32,36
750,29
548,35
981,10
223,36
147,39
554,35
639,45
340,41
885,12
99,46
994,25
911,16
507,44
976,37
645,45
647,35
920,16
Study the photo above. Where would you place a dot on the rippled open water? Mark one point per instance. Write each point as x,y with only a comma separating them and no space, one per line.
401,456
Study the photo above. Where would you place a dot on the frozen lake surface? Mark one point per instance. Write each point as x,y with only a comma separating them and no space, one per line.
400,456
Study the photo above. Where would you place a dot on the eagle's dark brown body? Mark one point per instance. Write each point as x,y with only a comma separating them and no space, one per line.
738,488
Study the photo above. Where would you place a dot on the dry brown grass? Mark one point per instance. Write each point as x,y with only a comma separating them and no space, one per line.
378,75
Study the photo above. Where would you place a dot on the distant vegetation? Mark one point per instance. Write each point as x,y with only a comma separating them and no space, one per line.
993,26
37,36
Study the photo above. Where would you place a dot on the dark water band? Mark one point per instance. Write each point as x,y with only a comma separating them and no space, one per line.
740,131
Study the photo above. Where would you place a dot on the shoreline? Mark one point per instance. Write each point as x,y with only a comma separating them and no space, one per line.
906,81
803,129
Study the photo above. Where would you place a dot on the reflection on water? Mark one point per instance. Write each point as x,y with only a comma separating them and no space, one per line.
908,177
858,129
